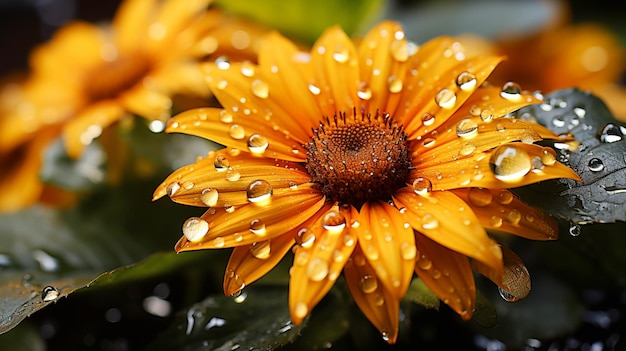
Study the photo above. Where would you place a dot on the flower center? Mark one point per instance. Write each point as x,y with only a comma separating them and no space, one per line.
358,158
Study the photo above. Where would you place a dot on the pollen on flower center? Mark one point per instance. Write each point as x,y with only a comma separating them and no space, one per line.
358,157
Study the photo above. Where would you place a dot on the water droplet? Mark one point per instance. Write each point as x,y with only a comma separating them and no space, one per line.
334,222
257,144
486,115
510,163
226,117
428,119
305,237
574,229
445,98
222,63
221,163
507,296
428,142
236,131
504,197
259,191
467,149
548,156
195,228
172,188
364,93
317,269
511,91
422,186
314,89
514,216
368,284
496,221
188,185
395,84
479,197
257,227
400,50
300,310
408,251
209,197
341,55
466,81
596,165
248,69
611,133
424,263
260,89
218,242
467,128
429,221
49,293
261,250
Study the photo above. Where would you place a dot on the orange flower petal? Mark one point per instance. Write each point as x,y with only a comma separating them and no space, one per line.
222,179
510,165
247,224
515,283
500,210
131,22
448,274
379,305
251,262
446,219
335,63
317,265
388,243
80,131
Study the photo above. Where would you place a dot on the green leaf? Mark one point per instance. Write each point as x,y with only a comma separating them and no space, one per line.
420,294
306,20
258,319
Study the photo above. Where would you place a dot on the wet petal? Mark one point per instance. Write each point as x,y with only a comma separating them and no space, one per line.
336,67
227,174
317,265
448,274
378,304
388,243
250,262
510,165
82,130
501,210
446,219
247,224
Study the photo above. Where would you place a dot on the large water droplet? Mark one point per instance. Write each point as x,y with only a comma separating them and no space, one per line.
305,237
596,165
467,128
445,98
574,229
221,163
611,133
226,117
507,296
428,119
261,250
364,92
222,63
257,144
209,197
248,69
466,81
395,84
429,221
49,293
257,227
408,251
511,91
334,222
510,163
236,131
260,88
195,228
259,191
172,188
368,284
317,269
422,186
341,55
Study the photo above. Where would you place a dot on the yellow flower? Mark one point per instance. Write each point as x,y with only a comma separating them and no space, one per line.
90,76
380,159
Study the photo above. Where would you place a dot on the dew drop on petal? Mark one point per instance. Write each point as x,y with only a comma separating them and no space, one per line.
172,188
399,50
236,131
510,163
408,251
486,115
334,222
248,69
364,92
195,228
479,197
261,250
496,221
368,284
504,197
314,89
507,296
429,221
395,84
428,119
222,63
422,186
221,163
467,149
466,81
49,293
467,128
218,242
260,89
341,55
300,310
257,144
445,98
595,165
226,117
317,269
511,91
514,216
305,237
424,263
257,227
548,156
209,197
259,191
